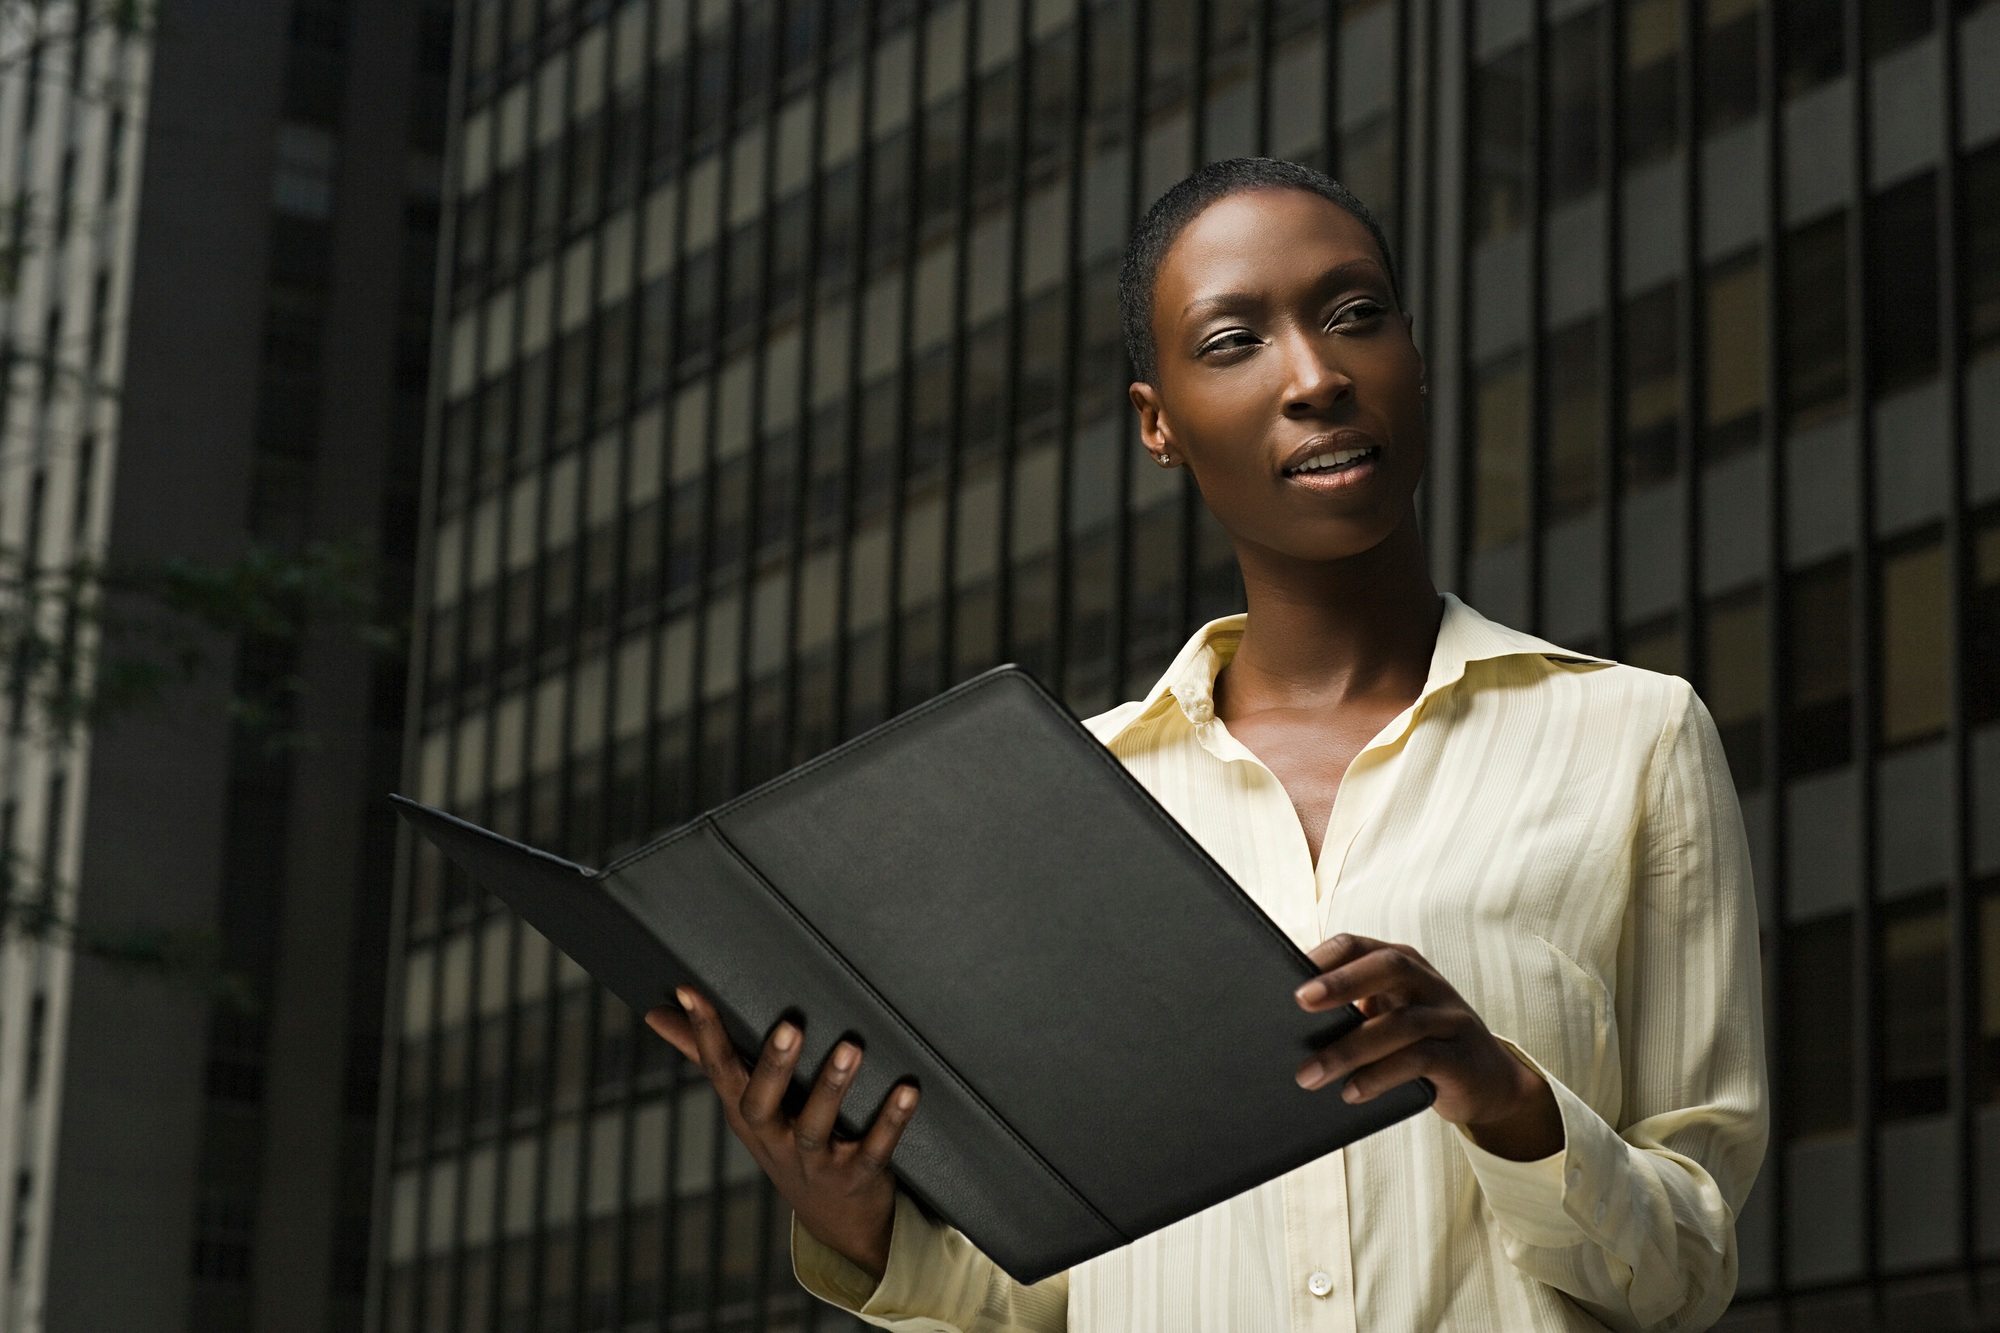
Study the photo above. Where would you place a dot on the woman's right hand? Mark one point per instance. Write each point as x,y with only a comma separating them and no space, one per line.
840,1190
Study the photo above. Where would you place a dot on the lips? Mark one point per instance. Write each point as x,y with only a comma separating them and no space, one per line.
1333,456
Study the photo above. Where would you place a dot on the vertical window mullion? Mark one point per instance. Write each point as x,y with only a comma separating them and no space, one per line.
1121,589
1866,606
1962,905
1066,376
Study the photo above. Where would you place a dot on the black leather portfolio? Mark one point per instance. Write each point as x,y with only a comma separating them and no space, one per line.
1100,1020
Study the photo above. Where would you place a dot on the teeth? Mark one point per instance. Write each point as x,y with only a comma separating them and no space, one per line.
1329,461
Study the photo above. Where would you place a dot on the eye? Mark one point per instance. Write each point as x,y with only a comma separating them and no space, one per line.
1357,314
1229,340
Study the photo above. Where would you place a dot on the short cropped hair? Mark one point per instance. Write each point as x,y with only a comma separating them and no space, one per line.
1173,211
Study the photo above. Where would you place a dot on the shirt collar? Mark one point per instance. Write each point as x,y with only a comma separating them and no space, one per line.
1464,637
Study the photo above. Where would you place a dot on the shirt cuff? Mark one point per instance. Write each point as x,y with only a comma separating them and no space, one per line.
1574,1196
913,1240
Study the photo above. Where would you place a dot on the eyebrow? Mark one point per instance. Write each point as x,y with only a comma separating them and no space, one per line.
1224,302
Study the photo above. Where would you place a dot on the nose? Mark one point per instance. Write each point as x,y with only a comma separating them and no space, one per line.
1314,379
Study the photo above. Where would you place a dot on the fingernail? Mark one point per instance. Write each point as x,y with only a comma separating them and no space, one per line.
1350,1093
905,1098
686,998
1311,993
1309,1077
844,1057
785,1037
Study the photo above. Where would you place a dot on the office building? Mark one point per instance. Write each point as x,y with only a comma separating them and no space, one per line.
781,386
215,338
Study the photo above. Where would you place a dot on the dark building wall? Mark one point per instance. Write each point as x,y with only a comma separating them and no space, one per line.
132,1077
217,1158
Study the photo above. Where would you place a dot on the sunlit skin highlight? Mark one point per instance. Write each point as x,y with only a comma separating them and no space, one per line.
1278,337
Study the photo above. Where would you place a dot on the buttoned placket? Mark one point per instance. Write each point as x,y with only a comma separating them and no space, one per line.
1319,1262
1319,1253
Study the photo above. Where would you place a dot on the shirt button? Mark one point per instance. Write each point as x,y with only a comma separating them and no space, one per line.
1319,1284
1575,1175
1600,1213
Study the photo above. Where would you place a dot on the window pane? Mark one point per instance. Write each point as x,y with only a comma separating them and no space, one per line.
1818,1046
1815,315
1903,266
1735,389
1652,386
1576,420
1980,208
1915,1007
1915,675
1729,65
1576,98
1982,633
1989,984
1653,80
1738,659
1500,457
1657,646
1810,34
1820,703
1499,94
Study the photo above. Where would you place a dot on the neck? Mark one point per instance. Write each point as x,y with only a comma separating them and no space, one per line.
1323,632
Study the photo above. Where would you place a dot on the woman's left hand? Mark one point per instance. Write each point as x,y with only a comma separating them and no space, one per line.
1417,1026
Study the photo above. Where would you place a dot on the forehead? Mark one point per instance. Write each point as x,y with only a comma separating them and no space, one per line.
1259,239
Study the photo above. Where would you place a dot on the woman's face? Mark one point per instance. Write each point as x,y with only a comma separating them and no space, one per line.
1286,378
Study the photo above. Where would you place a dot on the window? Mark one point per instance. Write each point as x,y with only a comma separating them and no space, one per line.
1982,630
1980,251
1500,456
1903,266
1656,646
1734,296
1575,421
1888,24
1820,691
1818,1026
1500,145
1811,40
1730,62
1652,108
1652,386
1815,322
1989,983
1915,680
1735,687
1573,161
1914,967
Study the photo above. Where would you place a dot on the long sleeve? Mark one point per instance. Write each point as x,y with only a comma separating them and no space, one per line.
1635,1219
936,1282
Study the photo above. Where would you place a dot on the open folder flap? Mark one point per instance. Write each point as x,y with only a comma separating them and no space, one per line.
572,906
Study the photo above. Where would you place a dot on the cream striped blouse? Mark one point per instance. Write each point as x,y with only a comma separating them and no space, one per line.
1559,836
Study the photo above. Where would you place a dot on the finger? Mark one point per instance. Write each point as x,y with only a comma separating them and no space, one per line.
814,1127
1422,1060
879,1145
718,1056
1335,950
765,1092
1387,970
672,1025
1374,1040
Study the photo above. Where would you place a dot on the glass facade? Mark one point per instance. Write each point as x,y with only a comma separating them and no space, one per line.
1730,408
781,386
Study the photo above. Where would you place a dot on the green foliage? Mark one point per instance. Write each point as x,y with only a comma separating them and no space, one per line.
83,645
159,625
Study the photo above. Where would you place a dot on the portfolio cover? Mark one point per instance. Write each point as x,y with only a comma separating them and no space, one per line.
1099,1018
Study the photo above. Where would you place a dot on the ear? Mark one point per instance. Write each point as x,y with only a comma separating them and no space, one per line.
1154,432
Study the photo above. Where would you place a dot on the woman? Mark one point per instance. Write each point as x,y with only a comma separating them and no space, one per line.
1551,841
